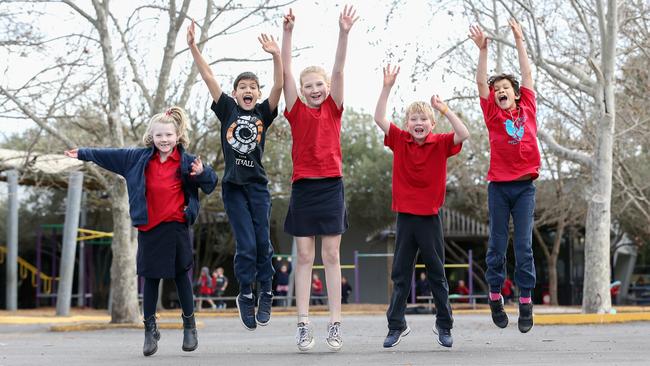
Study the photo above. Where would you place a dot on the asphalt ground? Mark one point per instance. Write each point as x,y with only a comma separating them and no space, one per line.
39,338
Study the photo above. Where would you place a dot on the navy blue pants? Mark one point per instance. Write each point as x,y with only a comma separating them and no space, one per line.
423,233
249,208
505,199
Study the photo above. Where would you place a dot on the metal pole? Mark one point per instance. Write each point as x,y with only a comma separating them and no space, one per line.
356,277
70,228
12,242
81,276
470,280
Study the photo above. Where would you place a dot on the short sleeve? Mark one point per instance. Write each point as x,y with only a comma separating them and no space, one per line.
336,112
390,140
488,106
223,107
292,115
451,149
528,99
266,113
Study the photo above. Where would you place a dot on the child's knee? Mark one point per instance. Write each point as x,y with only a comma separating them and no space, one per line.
331,256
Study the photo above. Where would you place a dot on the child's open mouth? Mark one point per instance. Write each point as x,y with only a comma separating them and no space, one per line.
419,130
503,98
248,99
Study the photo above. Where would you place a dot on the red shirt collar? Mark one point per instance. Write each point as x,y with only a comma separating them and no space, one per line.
429,139
175,155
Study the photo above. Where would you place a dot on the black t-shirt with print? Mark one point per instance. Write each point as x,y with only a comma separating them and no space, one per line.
243,134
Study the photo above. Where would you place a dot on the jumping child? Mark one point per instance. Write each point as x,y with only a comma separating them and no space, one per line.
163,184
510,116
419,184
245,192
317,204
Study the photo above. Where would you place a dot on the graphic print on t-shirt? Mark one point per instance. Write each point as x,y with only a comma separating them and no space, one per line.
515,129
245,133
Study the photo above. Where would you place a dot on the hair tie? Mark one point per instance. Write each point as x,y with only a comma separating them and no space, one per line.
169,112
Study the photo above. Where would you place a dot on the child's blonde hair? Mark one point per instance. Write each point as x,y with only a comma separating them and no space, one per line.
315,70
175,115
420,107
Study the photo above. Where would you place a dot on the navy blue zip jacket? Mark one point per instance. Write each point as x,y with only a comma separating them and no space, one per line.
131,163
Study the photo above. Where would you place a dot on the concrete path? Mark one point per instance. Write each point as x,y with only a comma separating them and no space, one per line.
223,341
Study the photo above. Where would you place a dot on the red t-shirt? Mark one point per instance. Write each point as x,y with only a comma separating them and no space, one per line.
419,171
316,134
165,198
513,138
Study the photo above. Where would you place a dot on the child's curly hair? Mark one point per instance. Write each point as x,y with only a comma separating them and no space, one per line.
175,115
511,78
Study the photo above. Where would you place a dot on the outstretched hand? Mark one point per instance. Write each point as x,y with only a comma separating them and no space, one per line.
516,28
269,44
191,34
289,21
197,166
477,35
390,74
438,104
347,18
72,153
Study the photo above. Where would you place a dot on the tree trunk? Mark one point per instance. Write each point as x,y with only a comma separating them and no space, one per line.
552,280
596,297
124,283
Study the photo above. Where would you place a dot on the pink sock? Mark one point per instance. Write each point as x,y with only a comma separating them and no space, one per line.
525,300
494,296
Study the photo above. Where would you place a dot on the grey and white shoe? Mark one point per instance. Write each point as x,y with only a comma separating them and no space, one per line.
305,337
333,340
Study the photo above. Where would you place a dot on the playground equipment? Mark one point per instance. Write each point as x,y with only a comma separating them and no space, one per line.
357,282
46,285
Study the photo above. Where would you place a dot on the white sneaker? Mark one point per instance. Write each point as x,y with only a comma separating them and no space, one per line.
333,340
305,337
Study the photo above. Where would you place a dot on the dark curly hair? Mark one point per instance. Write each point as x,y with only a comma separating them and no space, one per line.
511,78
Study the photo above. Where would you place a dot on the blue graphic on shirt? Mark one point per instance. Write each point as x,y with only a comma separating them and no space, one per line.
515,129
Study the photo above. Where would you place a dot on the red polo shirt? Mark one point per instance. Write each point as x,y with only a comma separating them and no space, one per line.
165,198
419,171
513,138
316,134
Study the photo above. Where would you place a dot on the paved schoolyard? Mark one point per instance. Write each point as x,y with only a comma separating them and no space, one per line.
223,341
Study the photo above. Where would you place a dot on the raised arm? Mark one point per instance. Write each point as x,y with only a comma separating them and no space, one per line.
524,64
460,131
290,91
116,160
202,65
346,21
269,45
481,41
390,74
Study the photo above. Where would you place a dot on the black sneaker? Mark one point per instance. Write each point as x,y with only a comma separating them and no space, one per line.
395,336
444,336
246,308
264,308
499,316
525,322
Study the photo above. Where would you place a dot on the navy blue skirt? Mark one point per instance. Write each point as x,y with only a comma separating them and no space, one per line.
317,207
164,251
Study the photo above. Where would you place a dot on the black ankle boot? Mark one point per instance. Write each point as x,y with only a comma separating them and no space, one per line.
190,341
151,336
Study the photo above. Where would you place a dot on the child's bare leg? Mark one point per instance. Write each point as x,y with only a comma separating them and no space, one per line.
332,262
306,246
